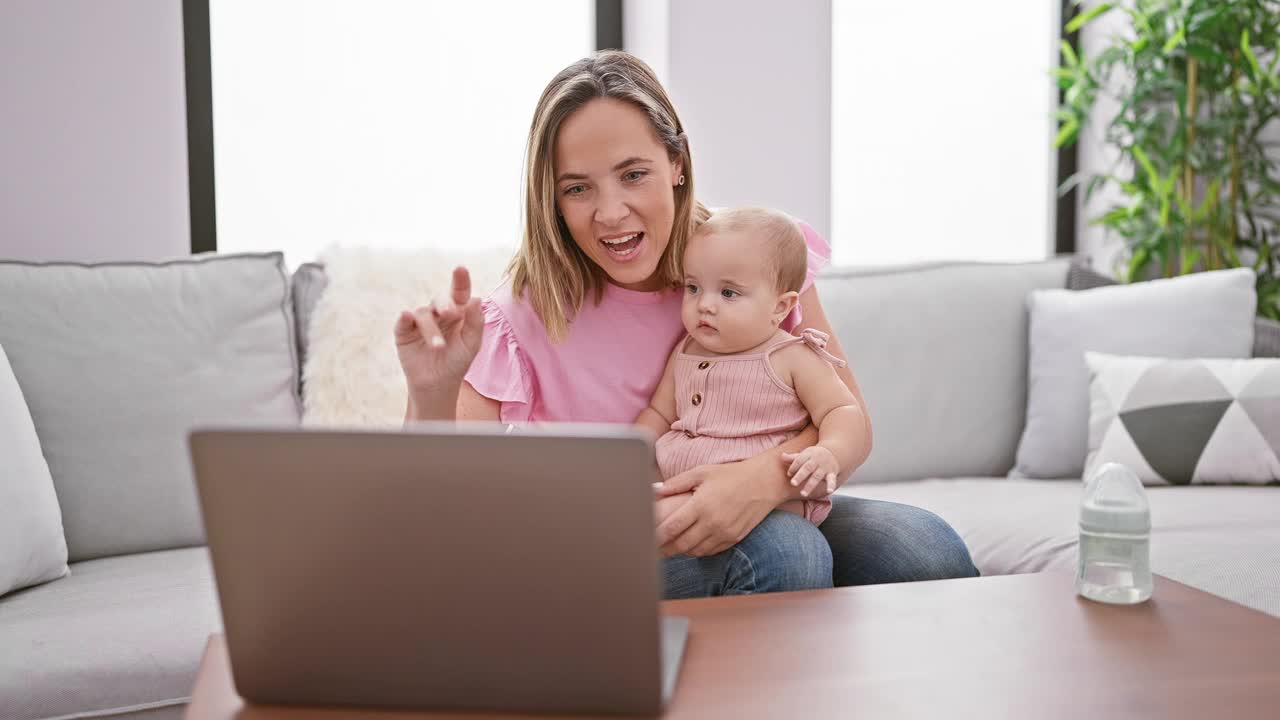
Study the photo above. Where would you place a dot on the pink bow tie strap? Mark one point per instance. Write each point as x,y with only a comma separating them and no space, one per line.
817,340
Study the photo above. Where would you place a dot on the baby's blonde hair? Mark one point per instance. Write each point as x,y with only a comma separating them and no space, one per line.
788,254
550,267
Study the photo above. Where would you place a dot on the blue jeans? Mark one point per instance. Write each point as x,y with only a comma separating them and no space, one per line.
862,542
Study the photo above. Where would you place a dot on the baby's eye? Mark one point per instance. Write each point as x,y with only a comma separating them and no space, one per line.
728,294
634,175
575,189
691,288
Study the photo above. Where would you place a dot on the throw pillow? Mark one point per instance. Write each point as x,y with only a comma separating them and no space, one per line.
1204,315
1182,422
1266,332
33,549
120,360
352,375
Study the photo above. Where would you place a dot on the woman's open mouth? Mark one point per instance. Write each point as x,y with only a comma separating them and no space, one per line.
623,247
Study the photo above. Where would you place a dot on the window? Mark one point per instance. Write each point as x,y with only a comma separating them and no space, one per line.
387,123
942,130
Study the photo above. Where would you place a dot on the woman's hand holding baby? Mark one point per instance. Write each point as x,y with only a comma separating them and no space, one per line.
436,344
811,467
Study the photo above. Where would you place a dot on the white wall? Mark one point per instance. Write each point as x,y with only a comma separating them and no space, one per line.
751,80
645,34
93,154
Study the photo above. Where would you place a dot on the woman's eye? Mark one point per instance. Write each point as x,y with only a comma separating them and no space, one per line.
575,190
728,294
634,175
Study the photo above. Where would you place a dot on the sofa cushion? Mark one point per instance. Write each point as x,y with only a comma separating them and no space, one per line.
119,634
118,361
1190,421
940,353
1223,540
32,547
1206,314
1266,332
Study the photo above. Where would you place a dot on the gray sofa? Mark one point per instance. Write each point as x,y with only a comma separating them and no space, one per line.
940,351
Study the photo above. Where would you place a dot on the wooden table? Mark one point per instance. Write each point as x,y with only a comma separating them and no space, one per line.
1016,646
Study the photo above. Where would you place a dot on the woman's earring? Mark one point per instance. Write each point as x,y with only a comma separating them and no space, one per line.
680,181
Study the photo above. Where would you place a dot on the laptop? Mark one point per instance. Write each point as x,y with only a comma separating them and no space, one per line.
443,567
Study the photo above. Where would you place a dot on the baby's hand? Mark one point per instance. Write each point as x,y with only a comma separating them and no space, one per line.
813,465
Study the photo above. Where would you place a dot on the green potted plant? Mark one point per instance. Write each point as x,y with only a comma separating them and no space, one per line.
1198,84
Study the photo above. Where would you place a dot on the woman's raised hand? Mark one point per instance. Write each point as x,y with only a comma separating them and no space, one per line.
437,342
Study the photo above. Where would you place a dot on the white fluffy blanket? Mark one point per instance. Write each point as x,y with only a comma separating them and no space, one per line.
352,376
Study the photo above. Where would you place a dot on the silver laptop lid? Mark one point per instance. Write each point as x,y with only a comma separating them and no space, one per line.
440,567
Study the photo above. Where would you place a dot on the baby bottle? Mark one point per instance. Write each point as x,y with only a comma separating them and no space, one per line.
1115,532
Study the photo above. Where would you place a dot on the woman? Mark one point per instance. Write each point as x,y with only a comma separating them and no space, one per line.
582,328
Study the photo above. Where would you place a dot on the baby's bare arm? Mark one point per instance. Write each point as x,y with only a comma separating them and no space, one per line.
832,407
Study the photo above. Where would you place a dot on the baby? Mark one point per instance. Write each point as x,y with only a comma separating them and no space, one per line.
738,384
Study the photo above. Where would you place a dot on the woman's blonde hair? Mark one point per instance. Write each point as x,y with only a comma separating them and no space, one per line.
550,266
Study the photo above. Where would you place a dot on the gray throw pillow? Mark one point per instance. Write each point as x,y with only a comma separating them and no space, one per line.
309,283
118,361
1182,422
1266,332
1203,315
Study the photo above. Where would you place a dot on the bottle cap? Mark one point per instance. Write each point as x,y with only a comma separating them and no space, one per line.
1115,502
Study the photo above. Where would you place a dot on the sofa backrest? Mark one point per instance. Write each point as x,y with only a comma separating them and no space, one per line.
940,354
118,361
939,350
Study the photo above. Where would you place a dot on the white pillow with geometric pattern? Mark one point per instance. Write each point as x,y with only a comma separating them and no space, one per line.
1184,422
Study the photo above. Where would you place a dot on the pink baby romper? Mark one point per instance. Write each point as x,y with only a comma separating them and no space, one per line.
733,407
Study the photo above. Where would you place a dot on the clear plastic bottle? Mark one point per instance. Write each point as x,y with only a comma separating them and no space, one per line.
1115,538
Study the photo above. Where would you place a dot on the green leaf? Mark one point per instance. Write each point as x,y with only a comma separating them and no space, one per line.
1174,41
1112,216
1083,19
1248,54
1063,74
1067,133
1069,54
1141,256
1183,206
1072,96
1206,19
1190,259
1207,54
1145,162
1210,194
